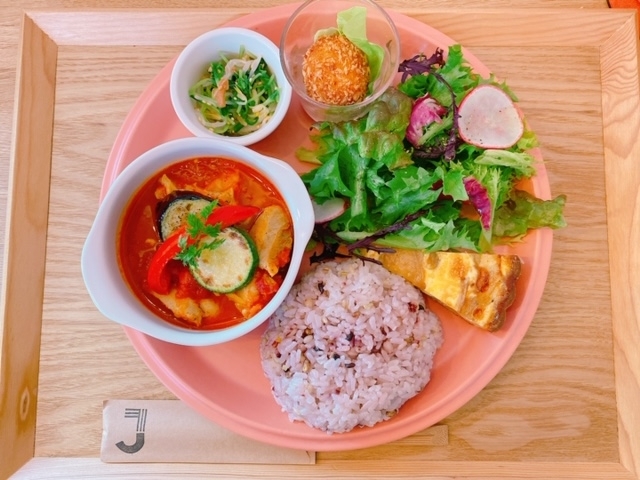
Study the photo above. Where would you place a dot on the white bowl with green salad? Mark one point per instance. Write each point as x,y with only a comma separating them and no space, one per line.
228,83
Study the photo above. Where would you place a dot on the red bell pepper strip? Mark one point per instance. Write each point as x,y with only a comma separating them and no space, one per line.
226,216
157,277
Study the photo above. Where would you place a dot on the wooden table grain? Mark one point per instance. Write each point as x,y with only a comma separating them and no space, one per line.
565,405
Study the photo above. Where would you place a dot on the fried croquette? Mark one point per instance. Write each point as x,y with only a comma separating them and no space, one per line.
336,71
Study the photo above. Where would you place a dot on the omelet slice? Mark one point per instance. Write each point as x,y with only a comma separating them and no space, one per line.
479,287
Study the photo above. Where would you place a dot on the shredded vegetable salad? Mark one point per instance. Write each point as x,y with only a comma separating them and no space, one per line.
237,96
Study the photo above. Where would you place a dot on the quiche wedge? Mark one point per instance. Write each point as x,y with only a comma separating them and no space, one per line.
479,287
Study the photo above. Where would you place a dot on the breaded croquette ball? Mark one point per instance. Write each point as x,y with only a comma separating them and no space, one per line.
335,71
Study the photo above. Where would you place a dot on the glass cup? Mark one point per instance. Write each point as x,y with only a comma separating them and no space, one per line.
298,35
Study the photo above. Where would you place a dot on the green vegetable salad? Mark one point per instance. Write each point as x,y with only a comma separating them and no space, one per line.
440,193
237,96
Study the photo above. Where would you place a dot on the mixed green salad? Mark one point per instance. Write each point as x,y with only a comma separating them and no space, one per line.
410,180
237,96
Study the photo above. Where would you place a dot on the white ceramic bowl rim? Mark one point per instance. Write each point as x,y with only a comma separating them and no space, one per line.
99,262
193,61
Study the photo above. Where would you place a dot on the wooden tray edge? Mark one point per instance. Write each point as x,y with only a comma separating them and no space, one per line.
77,468
44,31
25,245
621,113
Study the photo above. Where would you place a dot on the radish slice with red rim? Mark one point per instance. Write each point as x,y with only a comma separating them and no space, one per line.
328,210
488,118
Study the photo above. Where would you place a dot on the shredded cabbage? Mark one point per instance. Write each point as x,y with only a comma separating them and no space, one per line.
237,96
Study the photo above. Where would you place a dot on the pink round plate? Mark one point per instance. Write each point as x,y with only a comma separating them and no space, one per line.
225,383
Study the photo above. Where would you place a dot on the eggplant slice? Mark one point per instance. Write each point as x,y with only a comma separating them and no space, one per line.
173,211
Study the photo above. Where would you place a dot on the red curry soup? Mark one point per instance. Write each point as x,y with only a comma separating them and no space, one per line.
205,243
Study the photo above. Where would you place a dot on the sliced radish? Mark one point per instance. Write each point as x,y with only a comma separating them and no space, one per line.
425,111
330,209
488,118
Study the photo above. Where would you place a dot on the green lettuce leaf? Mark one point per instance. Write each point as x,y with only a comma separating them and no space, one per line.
456,71
523,212
409,190
352,23
521,163
379,135
441,228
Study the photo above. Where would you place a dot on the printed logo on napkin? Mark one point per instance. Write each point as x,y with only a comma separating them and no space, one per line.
168,431
140,414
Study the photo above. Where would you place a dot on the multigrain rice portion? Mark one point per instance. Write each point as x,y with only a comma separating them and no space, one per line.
349,346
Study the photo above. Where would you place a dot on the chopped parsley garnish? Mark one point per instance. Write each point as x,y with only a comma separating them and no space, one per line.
200,236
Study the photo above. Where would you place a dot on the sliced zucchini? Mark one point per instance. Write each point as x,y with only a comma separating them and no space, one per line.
173,212
230,266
